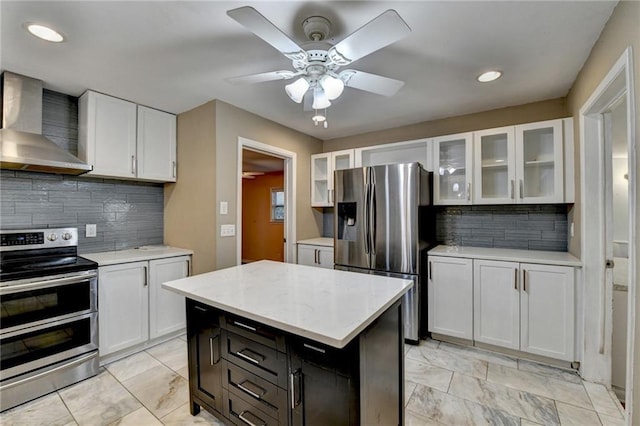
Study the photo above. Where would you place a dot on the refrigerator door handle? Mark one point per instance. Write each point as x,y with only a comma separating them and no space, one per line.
372,219
366,217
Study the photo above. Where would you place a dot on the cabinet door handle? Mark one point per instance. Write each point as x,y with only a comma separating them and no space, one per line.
430,270
174,169
512,189
201,309
524,280
254,359
214,355
294,378
189,267
133,164
521,189
515,279
146,279
248,327
242,417
469,191
314,348
249,391
319,263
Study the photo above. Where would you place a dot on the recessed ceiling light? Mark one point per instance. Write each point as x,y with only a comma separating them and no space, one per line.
489,76
44,32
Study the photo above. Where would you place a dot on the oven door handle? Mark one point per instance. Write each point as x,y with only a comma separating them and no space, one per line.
10,289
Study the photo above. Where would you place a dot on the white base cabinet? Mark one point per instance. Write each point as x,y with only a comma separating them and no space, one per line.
450,296
313,255
527,307
133,308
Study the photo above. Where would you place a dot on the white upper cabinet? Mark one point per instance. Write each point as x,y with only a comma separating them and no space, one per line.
539,162
399,152
156,145
322,168
494,171
123,140
452,159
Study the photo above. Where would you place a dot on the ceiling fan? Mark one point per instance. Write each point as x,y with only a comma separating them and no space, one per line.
318,63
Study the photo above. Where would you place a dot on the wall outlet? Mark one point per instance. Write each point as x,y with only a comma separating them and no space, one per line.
90,230
227,230
224,207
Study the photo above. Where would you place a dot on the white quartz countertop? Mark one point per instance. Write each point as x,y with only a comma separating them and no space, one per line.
325,305
509,255
321,241
135,255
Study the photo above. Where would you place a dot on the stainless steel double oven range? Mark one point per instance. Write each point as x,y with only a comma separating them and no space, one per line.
49,323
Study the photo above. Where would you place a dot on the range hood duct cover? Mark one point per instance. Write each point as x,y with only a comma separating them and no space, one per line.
22,146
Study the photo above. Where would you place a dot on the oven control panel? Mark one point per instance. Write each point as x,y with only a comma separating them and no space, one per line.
38,238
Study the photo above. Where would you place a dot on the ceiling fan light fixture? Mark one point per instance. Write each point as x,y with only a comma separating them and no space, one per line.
43,32
489,76
297,89
320,99
331,86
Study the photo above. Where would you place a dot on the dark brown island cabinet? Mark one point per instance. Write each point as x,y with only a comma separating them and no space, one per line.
248,373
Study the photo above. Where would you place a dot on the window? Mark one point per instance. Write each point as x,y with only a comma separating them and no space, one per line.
277,205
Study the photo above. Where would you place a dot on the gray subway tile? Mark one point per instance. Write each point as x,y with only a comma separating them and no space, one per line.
548,245
41,207
20,184
538,225
23,196
15,221
511,234
57,219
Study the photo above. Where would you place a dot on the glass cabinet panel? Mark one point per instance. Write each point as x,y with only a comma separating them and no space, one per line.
452,173
494,166
320,174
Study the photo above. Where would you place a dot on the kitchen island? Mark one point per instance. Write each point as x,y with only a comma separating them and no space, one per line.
278,343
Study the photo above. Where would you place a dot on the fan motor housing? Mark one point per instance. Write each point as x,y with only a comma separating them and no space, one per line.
316,28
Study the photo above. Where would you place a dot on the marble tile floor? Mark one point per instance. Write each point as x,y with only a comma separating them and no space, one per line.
445,384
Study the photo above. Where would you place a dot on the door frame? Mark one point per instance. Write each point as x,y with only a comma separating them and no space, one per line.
596,363
289,158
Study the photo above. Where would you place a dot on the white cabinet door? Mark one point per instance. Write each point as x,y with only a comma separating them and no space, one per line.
156,145
450,296
322,168
547,310
166,308
539,162
496,302
312,255
123,300
452,159
494,166
107,135
398,152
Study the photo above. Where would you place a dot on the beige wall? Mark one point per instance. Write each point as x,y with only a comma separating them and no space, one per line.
189,204
622,30
233,123
537,111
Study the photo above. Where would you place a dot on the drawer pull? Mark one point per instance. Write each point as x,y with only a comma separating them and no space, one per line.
248,327
249,391
242,417
214,354
201,309
314,348
294,378
515,279
256,359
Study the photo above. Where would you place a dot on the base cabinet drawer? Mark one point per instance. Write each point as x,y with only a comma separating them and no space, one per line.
255,357
262,394
242,412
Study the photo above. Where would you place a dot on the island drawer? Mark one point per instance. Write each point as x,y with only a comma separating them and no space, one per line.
261,360
252,330
260,393
243,413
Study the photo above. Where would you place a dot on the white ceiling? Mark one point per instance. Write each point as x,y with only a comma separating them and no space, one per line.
175,56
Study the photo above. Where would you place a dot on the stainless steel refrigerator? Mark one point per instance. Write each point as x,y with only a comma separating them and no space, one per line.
384,225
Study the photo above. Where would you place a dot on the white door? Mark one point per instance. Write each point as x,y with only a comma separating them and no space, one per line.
156,145
452,158
450,296
166,309
494,168
547,310
496,303
123,309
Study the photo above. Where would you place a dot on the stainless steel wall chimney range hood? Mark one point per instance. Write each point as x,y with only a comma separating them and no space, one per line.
22,146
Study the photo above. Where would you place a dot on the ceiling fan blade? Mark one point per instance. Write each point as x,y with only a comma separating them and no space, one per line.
387,28
373,83
261,77
252,20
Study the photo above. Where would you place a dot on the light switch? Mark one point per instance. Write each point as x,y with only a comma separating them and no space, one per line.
224,207
227,230
90,230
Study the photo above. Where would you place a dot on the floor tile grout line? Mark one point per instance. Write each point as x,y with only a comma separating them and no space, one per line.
65,404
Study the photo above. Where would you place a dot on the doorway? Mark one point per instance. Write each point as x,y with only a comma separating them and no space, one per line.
609,114
282,197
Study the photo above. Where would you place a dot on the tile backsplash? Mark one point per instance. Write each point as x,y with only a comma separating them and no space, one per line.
127,214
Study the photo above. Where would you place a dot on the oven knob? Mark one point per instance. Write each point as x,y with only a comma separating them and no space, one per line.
52,237
67,236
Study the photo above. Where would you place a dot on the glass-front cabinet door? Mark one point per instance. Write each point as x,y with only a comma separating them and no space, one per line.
494,166
322,168
452,171
539,162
